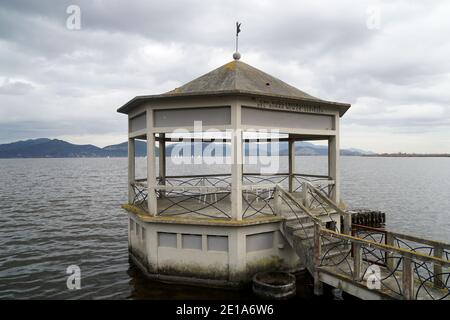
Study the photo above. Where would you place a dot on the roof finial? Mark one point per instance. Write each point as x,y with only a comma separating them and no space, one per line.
237,55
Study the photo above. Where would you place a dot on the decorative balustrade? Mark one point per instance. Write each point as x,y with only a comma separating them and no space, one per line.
209,195
427,272
321,182
399,272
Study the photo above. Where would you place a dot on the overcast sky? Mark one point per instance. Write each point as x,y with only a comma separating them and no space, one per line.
389,59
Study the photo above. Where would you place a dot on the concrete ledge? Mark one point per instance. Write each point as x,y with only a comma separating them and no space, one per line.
145,217
356,289
210,283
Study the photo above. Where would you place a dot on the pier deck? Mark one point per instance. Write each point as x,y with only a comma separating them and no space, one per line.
369,263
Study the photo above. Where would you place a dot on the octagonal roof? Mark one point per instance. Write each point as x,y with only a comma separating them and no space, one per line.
235,78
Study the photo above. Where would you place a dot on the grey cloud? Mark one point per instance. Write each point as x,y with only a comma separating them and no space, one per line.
15,87
143,47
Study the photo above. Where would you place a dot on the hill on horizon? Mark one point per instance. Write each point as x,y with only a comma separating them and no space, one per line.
55,148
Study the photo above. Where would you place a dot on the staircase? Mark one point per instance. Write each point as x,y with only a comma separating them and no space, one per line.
370,263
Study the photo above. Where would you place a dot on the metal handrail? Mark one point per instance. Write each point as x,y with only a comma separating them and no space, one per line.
387,248
299,205
346,215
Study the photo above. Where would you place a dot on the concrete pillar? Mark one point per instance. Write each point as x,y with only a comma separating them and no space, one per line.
237,255
333,162
291,148
131,168
162,159
151,165
237,161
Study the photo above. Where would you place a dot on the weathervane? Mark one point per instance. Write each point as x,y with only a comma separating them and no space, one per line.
237,55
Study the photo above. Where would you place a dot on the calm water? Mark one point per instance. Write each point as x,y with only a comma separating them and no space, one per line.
59,212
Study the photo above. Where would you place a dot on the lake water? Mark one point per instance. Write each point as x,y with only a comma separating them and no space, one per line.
60,212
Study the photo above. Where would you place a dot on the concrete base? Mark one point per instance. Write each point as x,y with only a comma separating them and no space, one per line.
208,254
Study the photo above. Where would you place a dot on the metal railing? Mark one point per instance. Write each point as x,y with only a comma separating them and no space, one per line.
400,272
208,195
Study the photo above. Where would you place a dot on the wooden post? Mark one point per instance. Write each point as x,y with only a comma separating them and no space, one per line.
236,165
347,227
131,169
357,261
318,286
151,166
162,161
390,256
408,279
291,164
437,269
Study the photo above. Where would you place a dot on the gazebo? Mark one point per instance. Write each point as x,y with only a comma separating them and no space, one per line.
219,229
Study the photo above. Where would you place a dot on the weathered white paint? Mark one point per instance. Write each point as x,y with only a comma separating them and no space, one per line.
138,123
291,160
131,169
237,161
278,119
185,117
151,166
334,163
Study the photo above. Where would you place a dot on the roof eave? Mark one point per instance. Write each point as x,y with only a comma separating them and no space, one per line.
127,107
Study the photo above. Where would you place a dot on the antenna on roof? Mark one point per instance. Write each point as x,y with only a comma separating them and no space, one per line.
237,55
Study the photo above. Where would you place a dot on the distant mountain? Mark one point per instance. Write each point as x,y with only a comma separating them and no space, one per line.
46,148
54,148
121,149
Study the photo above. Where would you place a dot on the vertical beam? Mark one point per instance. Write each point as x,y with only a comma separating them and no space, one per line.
131,168
277,201
291,148
357,261
408,279
162,159
437,269
333,162
318,286
236,165
389,255
151,165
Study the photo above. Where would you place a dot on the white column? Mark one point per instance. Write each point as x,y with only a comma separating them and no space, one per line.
131,169
333,162
236,166
162,158
151,165
291,148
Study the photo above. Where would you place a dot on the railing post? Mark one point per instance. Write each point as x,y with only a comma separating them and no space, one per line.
291,160
347,224
357,261
437,269
408,279
318,286
277,201
305,194
389,240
